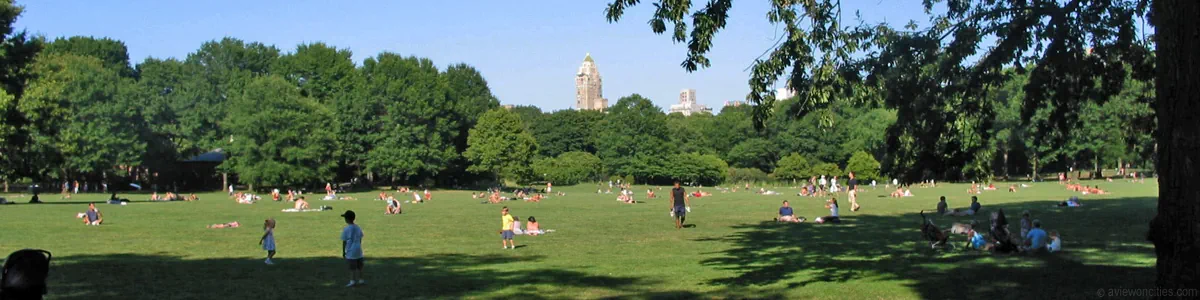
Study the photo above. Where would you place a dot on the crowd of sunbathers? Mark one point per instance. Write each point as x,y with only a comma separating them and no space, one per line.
169,196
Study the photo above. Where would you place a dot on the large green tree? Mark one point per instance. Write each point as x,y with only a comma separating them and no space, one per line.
1076,46
17,52
417,128
794,166
328,75
688,132
112,52
500,144
567,130
278,137
78,123
633,140
468,90
224,67
569,168
756,153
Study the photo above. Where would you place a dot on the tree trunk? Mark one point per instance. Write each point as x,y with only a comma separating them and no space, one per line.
224,180
1175,230
1096,173
1033,176
1005,165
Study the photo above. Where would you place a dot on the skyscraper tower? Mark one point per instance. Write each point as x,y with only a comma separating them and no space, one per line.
588,87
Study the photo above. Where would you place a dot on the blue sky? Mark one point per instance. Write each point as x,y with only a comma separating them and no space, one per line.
528,51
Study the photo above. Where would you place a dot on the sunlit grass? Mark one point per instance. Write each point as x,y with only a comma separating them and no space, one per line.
449,248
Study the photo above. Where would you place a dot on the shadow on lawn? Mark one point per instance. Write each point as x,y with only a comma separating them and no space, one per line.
865,247
436,276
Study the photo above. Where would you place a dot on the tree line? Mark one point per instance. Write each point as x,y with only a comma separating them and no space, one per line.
76,108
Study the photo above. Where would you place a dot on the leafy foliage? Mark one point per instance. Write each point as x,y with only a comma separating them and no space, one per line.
278,136
76,119
569,168
633,140
500,144
793,166
113,53
863,165
825,169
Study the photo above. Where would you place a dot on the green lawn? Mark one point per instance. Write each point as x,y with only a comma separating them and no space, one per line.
449,248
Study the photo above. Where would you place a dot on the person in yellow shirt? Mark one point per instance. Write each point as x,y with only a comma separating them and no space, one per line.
506,229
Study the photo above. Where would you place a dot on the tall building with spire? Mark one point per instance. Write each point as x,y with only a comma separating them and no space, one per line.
588,87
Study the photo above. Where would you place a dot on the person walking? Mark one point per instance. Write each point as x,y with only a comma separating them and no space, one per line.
680,205
852,190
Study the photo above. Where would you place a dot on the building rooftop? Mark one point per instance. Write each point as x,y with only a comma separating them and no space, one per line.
588,58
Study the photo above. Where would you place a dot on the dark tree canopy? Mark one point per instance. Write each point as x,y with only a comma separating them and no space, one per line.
1075,52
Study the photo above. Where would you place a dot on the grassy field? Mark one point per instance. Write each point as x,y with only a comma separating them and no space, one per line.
449,248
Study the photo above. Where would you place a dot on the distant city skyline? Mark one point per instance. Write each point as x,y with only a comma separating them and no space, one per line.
525,50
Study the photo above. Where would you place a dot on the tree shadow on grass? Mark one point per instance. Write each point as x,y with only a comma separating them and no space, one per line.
130,276
1104,242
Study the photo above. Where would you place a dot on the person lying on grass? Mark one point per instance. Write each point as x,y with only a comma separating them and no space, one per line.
233,224
1072,202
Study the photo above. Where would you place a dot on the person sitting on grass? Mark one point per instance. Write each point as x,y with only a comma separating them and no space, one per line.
990,187
532,227
516,226
650,193
1012,188
1025,223
233,224
833,213
907,193
154,196
977,241
1035,240
1055,242
787,215
942,205
971,211
92,216
393,206
301,204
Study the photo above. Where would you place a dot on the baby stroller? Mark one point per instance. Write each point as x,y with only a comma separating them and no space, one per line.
24,275
1002,238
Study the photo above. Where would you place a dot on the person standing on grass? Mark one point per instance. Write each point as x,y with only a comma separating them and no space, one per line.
852,189
680,205
823,182
268,239
352,249
506,229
